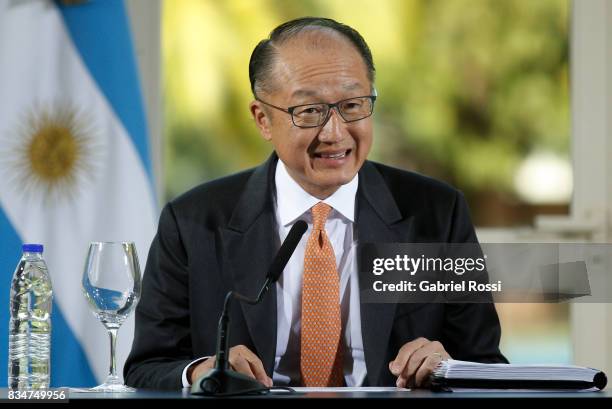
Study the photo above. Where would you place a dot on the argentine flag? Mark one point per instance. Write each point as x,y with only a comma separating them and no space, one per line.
74,164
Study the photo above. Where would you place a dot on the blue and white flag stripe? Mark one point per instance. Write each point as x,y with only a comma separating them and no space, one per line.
74,62
100,32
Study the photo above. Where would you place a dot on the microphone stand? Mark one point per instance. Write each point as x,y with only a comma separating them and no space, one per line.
221,380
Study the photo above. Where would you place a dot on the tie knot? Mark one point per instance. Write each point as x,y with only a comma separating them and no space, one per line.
320,211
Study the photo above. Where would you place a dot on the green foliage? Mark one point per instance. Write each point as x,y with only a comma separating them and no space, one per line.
467,88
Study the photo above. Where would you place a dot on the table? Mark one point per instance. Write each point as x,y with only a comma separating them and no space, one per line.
184,394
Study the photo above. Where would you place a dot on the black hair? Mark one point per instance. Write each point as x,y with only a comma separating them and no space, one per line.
262,58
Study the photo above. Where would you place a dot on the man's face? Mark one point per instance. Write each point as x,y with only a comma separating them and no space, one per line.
319,159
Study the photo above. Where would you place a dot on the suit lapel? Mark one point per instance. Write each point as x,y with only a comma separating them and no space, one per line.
249,243
378,221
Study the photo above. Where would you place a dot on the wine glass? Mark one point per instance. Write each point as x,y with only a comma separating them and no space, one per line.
111,283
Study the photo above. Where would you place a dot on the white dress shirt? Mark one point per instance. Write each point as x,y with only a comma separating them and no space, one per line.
292,204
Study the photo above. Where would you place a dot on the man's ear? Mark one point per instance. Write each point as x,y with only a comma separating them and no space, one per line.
262,119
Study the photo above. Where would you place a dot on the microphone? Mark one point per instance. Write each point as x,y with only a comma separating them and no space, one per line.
222,380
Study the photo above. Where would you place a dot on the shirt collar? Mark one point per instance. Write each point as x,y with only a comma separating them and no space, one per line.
292,201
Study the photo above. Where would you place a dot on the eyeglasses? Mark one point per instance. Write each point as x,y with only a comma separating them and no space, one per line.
314,115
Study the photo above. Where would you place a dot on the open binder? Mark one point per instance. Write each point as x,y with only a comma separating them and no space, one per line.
453,374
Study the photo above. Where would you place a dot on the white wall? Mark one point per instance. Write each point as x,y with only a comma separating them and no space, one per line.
145,19
591,93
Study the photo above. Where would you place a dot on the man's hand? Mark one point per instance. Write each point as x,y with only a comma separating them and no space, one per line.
241,359
415,362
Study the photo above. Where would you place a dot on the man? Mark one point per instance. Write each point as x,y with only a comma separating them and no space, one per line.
313,82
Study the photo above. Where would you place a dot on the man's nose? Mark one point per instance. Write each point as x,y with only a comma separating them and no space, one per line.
334,129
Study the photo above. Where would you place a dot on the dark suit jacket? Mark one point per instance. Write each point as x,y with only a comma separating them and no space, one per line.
221,236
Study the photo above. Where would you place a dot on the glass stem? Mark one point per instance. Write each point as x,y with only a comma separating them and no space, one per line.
113,341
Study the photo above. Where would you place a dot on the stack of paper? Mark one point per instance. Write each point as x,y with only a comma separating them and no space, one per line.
453,374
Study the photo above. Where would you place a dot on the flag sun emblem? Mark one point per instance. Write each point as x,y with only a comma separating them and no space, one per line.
51,154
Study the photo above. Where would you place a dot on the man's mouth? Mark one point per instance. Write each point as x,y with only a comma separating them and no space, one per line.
333,155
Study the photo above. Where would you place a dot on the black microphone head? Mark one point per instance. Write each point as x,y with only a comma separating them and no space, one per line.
286,250
299,228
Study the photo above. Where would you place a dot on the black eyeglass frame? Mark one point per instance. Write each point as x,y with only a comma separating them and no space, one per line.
290,110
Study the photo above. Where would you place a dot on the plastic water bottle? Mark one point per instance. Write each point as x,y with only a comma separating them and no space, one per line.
30,322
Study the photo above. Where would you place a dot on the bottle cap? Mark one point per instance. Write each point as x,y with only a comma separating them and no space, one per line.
32,248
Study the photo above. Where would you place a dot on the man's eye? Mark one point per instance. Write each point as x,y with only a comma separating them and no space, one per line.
352,106
309,111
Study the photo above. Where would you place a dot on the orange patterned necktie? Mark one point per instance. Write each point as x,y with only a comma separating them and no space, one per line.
321,345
